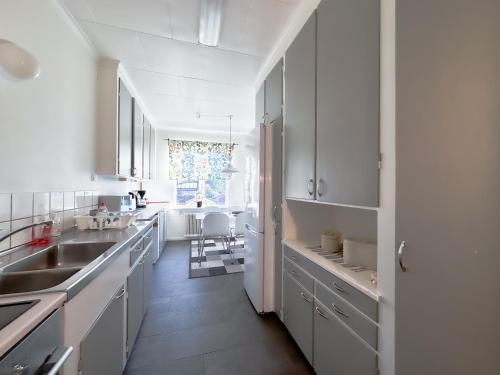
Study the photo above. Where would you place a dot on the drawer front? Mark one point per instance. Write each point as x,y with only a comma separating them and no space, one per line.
364,327
359,300
136,251
298,259
148,238
299,274
33,350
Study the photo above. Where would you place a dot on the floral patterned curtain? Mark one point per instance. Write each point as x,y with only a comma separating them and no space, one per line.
193,160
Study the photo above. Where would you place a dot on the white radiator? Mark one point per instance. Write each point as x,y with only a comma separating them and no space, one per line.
193,226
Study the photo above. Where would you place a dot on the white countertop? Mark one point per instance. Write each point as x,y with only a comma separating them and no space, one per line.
11,334
360,280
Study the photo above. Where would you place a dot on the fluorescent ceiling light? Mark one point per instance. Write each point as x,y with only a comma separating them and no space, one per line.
210,22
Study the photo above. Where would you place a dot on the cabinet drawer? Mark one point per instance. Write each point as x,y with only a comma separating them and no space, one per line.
352,295
148,238
364,327
298,259
136,251
299,274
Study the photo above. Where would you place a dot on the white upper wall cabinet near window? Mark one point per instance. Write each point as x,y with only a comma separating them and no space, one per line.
124,144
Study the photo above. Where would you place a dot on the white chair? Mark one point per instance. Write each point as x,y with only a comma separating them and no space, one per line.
239,229
215,226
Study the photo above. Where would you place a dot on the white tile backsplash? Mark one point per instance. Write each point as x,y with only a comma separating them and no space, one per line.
69,200
56,201
5,205
79,199
22,205
20,209
68,219
24,236
41,205
4,228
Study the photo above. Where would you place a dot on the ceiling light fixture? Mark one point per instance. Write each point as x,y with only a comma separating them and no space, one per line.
16,63
210,22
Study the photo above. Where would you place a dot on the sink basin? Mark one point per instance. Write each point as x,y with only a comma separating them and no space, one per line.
22,282
61,256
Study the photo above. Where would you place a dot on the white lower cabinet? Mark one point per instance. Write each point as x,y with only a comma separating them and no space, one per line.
298,314
135,304
101,351
338,350
336,340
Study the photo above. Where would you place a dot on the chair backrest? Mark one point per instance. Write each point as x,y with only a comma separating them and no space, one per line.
239,224
215,224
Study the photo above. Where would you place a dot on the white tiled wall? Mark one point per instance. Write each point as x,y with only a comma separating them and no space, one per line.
20,209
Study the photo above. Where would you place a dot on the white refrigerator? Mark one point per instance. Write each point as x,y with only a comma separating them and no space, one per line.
263,207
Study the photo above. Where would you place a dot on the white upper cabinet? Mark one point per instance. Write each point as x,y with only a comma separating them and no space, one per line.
348,105
124,146
300,114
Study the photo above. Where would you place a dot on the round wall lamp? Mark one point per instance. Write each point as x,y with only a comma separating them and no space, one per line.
16,63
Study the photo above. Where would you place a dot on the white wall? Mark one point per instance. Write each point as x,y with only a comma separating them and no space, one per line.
48,125
163,189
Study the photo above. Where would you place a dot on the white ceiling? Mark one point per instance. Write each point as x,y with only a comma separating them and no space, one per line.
157,42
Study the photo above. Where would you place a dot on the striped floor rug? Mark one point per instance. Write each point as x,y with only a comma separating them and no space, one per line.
215,260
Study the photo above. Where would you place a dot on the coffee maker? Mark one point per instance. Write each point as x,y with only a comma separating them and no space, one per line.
140,201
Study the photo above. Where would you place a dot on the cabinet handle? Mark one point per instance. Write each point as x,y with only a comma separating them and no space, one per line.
295,258
310,186
122,293
400,256
320,187
20,369
320,313
339,288
339,311
304,297
295,273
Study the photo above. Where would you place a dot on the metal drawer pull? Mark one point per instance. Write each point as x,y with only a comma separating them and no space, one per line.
295,273
54,370
339,311
122,293
320,313
295,258
339,288
305,298
400,256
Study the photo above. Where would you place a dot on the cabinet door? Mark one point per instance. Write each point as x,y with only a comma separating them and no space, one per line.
447,187
101,351
149,259
300,114
274,92
348,102
152,154
146,149
125,122
138,134
298,314
260,104
337,350
135,304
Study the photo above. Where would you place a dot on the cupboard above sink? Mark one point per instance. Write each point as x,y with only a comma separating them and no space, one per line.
126,140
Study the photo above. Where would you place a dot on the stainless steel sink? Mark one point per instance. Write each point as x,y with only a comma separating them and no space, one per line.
22,282
61,256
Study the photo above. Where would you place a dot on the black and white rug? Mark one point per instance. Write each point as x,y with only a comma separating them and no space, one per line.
216,260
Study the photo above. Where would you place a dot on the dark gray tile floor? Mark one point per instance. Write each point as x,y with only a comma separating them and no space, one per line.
207,326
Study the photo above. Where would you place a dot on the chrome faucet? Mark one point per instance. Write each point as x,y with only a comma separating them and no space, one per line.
5,236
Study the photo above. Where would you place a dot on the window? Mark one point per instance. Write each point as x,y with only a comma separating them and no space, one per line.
197,167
